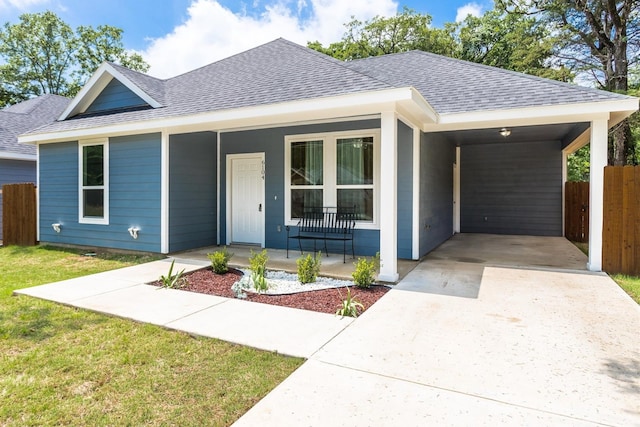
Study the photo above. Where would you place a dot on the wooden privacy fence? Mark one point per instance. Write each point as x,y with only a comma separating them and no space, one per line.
621,233
576,207
19,214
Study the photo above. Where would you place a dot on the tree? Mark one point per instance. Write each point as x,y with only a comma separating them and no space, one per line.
408,30
42,54
599,39
510,41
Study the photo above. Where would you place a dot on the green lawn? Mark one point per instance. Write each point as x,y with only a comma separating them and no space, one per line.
65,366
630,284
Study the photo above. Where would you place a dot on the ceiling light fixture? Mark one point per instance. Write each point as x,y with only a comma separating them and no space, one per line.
505,132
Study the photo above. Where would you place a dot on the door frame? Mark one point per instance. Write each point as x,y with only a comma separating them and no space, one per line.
229,184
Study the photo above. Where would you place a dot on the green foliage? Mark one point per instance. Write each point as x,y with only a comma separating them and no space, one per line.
349,306
578,165
364,274
407,30
238,288
173,281
258,267
220,260
309,267
43,54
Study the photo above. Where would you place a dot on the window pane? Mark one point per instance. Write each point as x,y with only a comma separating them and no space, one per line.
306,163
302,200
93,165
361,199
355,161
93,203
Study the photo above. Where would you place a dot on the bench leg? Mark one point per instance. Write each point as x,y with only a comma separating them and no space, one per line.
326,251
344,251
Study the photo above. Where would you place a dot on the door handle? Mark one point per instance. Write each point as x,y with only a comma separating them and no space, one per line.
260,207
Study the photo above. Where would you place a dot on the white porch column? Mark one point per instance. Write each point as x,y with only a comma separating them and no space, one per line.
388,197
598,160
164,193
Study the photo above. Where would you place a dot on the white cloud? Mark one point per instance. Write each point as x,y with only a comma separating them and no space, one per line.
21,5
473,9
212,32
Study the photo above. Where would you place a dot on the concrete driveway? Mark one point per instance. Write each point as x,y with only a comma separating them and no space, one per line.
488,330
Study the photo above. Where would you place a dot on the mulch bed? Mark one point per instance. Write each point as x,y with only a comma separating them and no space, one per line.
205,281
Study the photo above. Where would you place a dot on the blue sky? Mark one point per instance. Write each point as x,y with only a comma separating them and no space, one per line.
175,36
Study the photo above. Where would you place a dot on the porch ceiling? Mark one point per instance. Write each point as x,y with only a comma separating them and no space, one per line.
564,132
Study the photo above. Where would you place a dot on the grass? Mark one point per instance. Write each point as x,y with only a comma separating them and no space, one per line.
630,284
64,366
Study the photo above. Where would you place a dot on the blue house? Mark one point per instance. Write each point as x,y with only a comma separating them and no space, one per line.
18,161
423,145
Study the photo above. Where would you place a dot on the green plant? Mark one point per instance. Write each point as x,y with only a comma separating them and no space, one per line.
238,287
219,260
171,280
258,267
365,272
349,306
309,267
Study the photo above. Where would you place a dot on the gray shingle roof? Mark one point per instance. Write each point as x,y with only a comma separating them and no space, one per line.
282,71
455,86
27,116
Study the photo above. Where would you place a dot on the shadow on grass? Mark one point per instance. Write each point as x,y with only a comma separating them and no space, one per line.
25,318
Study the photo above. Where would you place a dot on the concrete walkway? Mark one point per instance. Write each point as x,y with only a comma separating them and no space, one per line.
123,293
466,338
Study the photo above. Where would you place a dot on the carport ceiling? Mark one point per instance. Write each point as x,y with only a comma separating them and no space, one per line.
564,132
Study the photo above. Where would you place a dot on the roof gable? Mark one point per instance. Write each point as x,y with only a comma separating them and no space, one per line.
115,96
135,82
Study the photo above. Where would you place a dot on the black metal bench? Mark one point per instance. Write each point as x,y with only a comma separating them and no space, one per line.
326,224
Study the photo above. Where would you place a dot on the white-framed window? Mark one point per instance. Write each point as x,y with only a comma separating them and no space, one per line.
93,182
337,169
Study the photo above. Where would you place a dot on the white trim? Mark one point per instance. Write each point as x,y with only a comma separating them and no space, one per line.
96,84
415,223
456,192
164,193
329,185
329,108
218,141
564,184
550,114
598,160
389,197
6,155
105,187
37,193
229,158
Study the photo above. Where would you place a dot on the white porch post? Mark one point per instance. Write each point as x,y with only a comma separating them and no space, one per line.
388,197
598,160
164,193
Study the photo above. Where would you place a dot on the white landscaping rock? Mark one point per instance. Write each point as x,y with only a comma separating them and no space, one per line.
282,283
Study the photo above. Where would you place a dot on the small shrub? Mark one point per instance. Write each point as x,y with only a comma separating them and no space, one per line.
308,268
173,281
258,267
365,272
349,306
220,260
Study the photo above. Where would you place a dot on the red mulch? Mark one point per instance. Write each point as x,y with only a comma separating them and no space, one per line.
205,281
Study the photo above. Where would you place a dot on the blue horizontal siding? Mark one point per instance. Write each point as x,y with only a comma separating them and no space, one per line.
405,191
271,142
134,195
192,191
114,96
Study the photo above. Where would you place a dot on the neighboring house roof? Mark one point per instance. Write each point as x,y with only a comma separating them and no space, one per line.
24,117
281,71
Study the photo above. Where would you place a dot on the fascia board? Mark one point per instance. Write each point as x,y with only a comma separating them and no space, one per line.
564,113
96,84
6,155
317,109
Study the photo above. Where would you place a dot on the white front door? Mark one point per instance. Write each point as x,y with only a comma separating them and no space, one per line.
245,194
